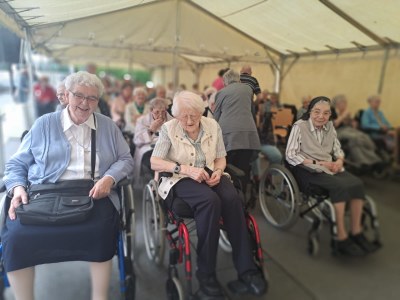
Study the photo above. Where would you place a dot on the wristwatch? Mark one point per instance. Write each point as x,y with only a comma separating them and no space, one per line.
177,168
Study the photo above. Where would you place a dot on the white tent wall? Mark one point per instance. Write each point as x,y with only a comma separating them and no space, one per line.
355,75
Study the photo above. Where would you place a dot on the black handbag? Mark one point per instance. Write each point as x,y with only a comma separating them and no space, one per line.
61,203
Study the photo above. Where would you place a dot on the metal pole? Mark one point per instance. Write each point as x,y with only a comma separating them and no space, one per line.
176,49
383,70
29,106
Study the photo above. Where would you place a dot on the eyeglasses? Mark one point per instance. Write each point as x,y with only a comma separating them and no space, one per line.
81,97
60,95
186,118
321,113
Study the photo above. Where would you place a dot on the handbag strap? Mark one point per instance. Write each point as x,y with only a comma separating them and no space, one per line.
93,151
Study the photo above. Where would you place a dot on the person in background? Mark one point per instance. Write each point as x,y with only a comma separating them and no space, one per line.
361,150
305,101
233,113
118,106
61,96
218,83
45,96
316,157
146,134
136,109
378,127
209,101
23,86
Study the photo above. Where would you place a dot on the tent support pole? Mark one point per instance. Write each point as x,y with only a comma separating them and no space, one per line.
29,107
383,70
176,48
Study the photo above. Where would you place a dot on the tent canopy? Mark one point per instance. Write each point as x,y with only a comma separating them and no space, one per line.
163,32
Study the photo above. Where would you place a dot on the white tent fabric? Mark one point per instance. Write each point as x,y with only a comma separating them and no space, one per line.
122,32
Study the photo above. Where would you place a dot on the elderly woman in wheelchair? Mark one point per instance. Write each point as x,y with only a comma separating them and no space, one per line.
60,148
315,158
192,149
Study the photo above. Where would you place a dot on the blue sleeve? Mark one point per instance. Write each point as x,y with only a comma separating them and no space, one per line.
368,120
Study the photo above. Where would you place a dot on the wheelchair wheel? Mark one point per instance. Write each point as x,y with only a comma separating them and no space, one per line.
129,221
224,241
153,221
279,197
174,289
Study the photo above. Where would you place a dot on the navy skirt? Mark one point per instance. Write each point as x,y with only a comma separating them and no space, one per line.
93,240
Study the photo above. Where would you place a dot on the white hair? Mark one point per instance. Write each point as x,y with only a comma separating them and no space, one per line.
138,90
231,76
157,102
188,100
84,78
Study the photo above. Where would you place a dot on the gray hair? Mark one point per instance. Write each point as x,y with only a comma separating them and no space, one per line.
188,100
61,86
138,90
338,99
85,79
158,102
231,76
373,97
210,94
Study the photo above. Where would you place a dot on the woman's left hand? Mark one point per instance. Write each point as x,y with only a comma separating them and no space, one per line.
214,179
102,188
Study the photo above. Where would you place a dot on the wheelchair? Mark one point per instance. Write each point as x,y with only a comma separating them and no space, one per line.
283,202
175,226
125,247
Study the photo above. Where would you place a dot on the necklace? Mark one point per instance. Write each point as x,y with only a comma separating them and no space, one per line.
85,147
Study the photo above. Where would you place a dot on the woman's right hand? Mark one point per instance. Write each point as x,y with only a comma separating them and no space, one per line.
198,174
20,196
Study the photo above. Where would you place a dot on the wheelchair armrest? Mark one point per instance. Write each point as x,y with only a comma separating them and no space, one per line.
234,171
124,182
165,174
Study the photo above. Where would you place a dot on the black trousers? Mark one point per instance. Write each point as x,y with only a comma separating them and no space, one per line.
209,204
242,159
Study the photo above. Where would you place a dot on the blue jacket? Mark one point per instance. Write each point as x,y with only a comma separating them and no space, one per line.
45,152
368,120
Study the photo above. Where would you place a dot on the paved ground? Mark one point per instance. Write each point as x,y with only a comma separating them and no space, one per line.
294,274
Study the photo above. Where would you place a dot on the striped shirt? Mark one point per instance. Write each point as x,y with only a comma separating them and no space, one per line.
250,81
293,155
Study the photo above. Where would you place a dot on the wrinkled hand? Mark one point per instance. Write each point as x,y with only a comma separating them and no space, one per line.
214,179
102,188
333,166
156,124
20,196
198,174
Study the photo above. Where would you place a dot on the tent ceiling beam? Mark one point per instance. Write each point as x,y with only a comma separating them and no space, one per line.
344,51
354,23
276,52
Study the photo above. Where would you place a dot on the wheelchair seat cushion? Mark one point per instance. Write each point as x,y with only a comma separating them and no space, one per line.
94,240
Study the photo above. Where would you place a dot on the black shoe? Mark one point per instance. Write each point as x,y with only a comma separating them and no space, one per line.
363,243
210,286
255,282
348,247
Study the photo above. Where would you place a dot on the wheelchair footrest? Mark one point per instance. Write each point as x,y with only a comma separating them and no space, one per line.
237,287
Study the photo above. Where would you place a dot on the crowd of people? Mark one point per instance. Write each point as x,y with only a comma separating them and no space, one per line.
193,135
